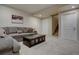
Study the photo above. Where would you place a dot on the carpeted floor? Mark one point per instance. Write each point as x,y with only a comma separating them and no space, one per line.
52,46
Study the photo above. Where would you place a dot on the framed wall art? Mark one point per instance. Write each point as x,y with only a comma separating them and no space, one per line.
17,19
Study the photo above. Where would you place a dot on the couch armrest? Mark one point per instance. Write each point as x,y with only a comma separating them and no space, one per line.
5,44
16,46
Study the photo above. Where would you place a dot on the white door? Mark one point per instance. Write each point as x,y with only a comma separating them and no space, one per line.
69,25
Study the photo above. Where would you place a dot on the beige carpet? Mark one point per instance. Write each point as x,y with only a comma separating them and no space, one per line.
52,46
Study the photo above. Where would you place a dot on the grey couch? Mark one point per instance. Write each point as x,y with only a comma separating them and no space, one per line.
19,32
8,45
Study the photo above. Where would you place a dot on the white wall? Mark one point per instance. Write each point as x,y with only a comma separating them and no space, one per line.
47,26
28,21
78,26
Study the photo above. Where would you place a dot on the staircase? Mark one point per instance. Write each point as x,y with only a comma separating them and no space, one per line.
56,31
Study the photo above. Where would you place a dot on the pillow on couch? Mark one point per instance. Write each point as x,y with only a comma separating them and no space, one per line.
27,30
30,30
6,30
2,32
19,31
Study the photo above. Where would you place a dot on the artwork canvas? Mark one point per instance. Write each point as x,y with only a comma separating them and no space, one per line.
17,19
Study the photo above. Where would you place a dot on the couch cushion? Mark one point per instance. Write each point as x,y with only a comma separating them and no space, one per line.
12,30
19,29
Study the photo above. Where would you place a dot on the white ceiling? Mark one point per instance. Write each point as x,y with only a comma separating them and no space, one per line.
36,9
30,8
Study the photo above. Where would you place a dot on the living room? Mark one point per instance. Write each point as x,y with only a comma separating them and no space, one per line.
21,24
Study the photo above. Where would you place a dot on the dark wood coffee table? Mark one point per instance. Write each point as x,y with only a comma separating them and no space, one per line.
32,40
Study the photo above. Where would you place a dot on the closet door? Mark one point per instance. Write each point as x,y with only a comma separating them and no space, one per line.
69,25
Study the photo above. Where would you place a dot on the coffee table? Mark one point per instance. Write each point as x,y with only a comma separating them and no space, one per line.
32,40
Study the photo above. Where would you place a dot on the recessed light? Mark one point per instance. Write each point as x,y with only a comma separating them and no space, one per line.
73,6
40,15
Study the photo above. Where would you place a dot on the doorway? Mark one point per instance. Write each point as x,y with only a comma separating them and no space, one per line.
55,25
68,24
